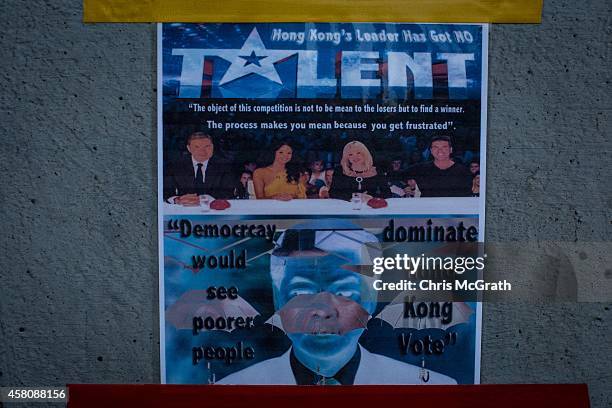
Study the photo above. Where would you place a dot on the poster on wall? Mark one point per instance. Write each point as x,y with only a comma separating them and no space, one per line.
293,159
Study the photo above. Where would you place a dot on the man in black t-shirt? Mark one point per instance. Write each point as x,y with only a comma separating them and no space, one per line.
442,177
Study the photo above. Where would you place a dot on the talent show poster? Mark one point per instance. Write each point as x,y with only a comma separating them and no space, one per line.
291,155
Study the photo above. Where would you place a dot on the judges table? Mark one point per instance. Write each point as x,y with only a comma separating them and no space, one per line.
307,396
395,206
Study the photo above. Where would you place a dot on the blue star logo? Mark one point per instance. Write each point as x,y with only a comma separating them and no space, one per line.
252,59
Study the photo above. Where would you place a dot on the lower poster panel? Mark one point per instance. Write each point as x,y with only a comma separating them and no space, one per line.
270,300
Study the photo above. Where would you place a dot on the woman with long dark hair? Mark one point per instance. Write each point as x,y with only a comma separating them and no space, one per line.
281,179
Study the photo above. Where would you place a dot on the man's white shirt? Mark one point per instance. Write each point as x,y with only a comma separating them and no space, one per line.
373,369
195,168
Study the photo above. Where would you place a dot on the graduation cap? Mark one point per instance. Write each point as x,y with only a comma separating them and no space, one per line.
310,242
298,242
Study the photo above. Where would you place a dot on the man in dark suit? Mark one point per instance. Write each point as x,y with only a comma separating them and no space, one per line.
198,174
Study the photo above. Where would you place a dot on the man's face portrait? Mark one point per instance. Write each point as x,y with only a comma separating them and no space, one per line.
201,149
441,150
324,305
396,165
474,168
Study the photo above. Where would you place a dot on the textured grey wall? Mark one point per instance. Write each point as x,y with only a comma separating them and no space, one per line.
78,284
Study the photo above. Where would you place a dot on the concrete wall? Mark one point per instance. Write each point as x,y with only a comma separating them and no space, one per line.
78,284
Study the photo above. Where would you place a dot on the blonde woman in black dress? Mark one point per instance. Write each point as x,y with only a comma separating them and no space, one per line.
357,174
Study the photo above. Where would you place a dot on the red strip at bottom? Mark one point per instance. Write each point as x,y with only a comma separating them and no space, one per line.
230,396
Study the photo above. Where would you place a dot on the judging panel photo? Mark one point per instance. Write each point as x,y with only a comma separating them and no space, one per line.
306,166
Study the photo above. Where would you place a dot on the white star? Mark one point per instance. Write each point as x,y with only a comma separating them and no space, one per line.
253,46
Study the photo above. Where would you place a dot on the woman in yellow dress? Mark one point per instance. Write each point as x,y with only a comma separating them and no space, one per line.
280,180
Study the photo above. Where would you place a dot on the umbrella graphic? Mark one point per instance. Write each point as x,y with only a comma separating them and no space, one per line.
433,317
275,321
394,314
171,261
195,303
321,313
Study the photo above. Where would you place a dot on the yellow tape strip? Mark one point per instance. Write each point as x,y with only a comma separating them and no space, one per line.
237,11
